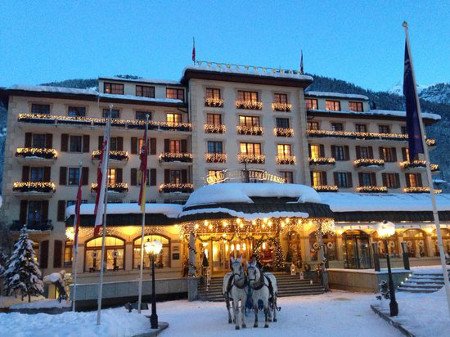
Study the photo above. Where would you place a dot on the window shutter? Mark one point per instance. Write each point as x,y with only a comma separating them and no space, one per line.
360,177
397,180
322,150
64,142
166,145
45,210
323,177
100,142
61,215
370,152
133,177
380,153
86,143
152,177
349,180
147,180
336,179
166,176
183,146
119,143
408,182
309,150
63,175
394,154
183,176
47,173
119,175
48,140
23,211
43,254
134,145
57,256
384,178
25,173
85,176
346,151
28,139
358,152
333,151
153,146
373,179
419,179
404,154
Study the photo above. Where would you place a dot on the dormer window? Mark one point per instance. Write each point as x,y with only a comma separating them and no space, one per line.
113,88
355,106
145,91
333,105
311,104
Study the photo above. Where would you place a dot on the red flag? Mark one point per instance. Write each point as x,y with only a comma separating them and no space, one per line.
143,168
77,209
193,50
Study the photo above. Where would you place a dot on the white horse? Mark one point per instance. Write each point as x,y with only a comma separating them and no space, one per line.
262,287
234,289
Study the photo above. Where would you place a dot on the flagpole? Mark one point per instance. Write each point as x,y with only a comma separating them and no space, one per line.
141,271
105,203
430,180
75,252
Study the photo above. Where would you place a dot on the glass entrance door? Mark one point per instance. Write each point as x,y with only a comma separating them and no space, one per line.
357,251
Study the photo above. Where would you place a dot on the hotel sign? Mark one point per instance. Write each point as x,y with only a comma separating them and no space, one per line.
244,176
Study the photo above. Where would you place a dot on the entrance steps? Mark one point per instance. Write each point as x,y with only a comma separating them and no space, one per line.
422,282
288,285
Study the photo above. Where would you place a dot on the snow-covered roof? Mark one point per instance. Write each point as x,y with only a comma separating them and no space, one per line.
246,216
378,202
402,114
141,98
169,210
59,90
335,95
242,193
139,80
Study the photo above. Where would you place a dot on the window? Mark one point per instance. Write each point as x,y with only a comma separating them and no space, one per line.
405,153
391,180
332,105
404,130
340,153
39,141
311,104
74,175
355,106
142,115
337,126
384,129
248,96
288,176
37,174
215,147
174,146
113,176
364,152
313,126
173,118
388,154
36,211
250,148
413,179
40,109
75,143
114,254
175,177
145,91
116,144
213,93
318,178
360,127
113,88
284,150
280,98
174,93
76,111
162,260
367,179
115,113
316,151
282,123
343,179
214,119
249,121
215,174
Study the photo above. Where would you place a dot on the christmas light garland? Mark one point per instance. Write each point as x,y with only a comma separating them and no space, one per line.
215,157
420,189
170,156
285,160
34,186
250,130
211,128
250,105
372,189
251,158
286,107
181,188
214,102
326,188
26,152
322,161
364,162
114,155
117,187
283,132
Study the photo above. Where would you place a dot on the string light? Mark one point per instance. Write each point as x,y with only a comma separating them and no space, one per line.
372,189
171,156
283,132
326,188
251,158
36,152
251,105
114,155
322,161
215,157
117,187
364,162
182,188
34,186
285,160
420,189
214,102
212,128
276,106
250,130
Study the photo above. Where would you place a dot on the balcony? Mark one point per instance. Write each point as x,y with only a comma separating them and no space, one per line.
286,107
285,160
36,156
431,142
118,189
35,225
357,135
283,132
369,164
116,158
322,163
251,158
249,105
169,157
214,102
371,189
176,188
211,128
216,157
169,126
326,188
420,189
35,189
250,130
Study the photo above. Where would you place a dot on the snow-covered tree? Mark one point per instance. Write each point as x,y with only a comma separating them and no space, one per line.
22,273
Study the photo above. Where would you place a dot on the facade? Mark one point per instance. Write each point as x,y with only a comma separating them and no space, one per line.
220,122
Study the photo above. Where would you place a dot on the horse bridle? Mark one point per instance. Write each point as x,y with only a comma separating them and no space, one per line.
261,284
241,275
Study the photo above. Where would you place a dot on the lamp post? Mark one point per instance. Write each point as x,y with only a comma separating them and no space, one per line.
385,230
153,248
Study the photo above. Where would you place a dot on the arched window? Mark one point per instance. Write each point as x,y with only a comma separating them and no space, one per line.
163,259
114,254
329,241
393,245
445,240
415,242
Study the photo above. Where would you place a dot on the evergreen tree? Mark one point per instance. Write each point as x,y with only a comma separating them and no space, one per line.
22,273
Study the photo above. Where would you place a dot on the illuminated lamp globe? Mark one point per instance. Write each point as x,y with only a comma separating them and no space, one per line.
153,247
385,229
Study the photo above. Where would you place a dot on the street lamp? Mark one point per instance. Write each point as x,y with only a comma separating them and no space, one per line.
153,248
385,230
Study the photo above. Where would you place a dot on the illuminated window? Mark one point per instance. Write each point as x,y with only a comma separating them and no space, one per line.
388,154
288,176
214,119
114,254
213,93
145,91
216,174
313,126
384,129
284,150
175,93
68,253
413,179
280,98
405,153
360,127
175,146
43,109
173,118
250,148
391,180
76,111
163,258
318,178
316,151
355,106
311,104
249,121
332,105
112,176
248,96
113,88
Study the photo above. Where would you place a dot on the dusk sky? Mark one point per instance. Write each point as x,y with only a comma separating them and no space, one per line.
358,41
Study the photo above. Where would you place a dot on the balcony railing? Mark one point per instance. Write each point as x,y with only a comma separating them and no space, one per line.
214,102
176,188
211,128
35,225
115,188
420,189
369,163
168,157
322,161
281,106
283,132
215,157
372,189
113,155
250,130
252,158
285,160
250,105
123,123
33,152
326,188
34,187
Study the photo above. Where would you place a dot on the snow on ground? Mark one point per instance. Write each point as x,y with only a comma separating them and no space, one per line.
7,301
45,303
